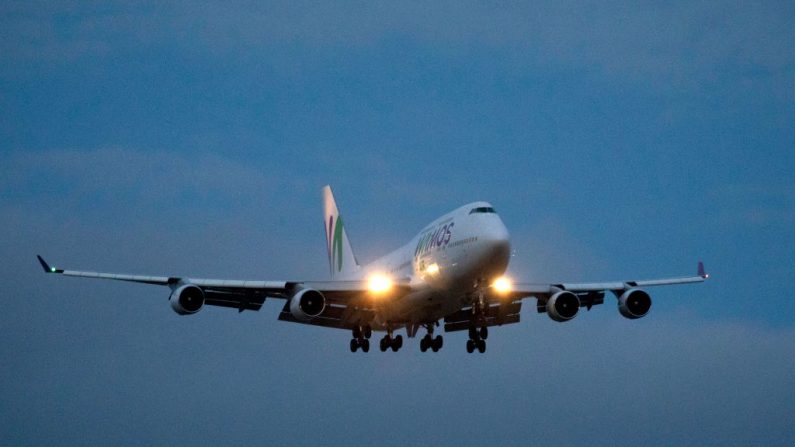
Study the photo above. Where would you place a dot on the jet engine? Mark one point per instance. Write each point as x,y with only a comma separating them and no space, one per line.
307,304
634,303
563,306
187,299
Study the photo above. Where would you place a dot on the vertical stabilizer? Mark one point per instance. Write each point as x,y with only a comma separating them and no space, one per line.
341,259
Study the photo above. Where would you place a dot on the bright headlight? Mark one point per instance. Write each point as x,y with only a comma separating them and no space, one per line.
502,285
379,284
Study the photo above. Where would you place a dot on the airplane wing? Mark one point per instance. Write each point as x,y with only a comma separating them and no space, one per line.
523,290
348,303
504,308
590,294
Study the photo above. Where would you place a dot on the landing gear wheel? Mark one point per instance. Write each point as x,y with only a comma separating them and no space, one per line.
424,343
470,346
473,333
484,332
365,344
385,343
357,332
368,331
354,345
437,344
481,346
397,343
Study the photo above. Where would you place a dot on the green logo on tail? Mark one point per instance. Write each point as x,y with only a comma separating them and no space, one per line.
336,249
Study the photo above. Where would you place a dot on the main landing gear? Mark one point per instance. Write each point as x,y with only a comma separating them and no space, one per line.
477,339
390,342
429,341
361,338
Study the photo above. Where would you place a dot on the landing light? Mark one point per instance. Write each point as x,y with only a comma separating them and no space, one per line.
379,284
502,285
432,269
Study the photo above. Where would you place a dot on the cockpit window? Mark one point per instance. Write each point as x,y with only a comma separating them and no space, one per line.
482,209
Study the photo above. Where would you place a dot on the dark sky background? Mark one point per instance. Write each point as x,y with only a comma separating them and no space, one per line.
619,140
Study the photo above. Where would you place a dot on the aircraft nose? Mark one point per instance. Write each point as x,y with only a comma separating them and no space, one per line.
498,237
497,232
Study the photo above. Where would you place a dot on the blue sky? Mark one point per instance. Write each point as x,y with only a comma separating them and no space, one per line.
618,140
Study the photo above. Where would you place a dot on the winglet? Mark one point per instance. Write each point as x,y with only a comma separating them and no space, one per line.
46,267
701,272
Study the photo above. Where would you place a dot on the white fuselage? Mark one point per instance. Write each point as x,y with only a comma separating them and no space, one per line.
444,264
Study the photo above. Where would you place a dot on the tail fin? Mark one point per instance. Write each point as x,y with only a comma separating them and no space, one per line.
341,259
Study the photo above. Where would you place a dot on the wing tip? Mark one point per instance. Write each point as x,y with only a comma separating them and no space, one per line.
43,263
701,271
46,267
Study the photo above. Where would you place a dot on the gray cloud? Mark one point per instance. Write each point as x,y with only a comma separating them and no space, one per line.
681,44
154,177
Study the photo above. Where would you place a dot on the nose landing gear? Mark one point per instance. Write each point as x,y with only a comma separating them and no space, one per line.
477,338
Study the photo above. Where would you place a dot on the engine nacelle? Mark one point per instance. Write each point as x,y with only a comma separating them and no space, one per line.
187,299
634,303
563,306
307,304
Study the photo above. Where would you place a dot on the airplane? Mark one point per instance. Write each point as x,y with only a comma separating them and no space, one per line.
451,271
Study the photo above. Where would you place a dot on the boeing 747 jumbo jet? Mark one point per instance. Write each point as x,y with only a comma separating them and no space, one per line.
451,271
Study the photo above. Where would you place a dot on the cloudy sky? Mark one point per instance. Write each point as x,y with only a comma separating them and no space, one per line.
620,140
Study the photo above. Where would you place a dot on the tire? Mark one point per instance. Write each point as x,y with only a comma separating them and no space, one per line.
365,345
424,344
484,332
354,345
384,344
473,333
368,332
397,343
470,346
481,346
438,342
357,332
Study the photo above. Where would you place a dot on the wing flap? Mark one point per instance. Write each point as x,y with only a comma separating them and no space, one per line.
239,301
465,314
491,321
226,284
319,321
156,280
334,316
496,315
